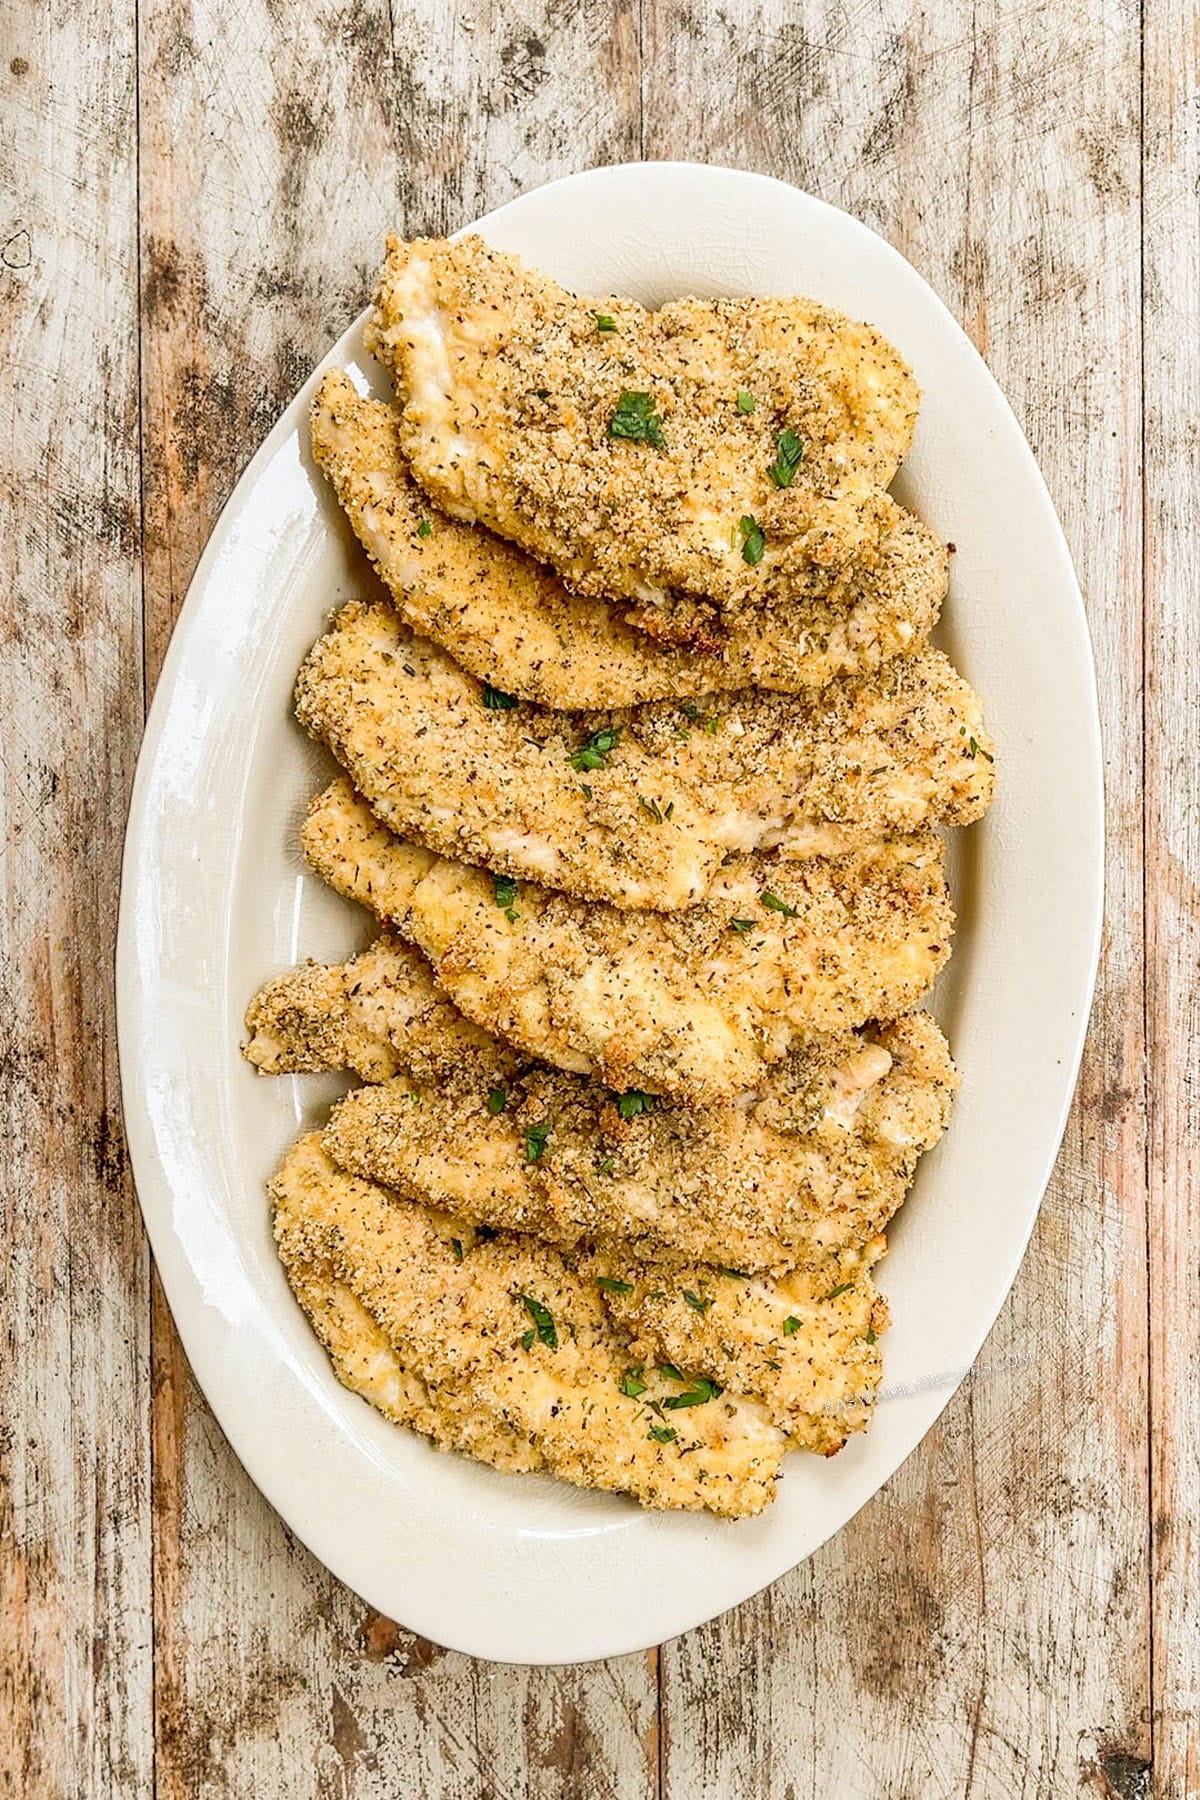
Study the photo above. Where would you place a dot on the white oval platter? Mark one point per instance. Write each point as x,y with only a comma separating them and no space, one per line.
215,897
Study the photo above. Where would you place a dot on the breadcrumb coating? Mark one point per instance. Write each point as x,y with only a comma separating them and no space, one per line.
456,1311
626,447
813,1162
512,623
696,1004
640,807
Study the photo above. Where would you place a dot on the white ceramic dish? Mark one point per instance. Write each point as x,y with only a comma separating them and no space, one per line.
215,897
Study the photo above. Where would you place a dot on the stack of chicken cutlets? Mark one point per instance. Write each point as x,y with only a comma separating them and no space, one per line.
645,759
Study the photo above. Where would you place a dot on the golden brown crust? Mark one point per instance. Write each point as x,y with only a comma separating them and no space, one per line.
639,807
452,1307
695,1004
512,623
510,390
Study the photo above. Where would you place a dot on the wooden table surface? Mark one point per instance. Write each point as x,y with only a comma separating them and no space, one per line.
194,198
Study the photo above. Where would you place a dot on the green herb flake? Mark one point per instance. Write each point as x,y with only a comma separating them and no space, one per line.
701,1391
790,1326
527,1338
543,1322
671,1372
663,1434
535,1141
746,401
496,700
696,1302
652,807
773,903
637,419
497,1101
612,1286
741,926
604,322
630,1104
425,528
754,540
606,1165
504,891
872,1335
734,1274
595,753
974,749
712,725
843,1287
456,1246
632,1384
789,454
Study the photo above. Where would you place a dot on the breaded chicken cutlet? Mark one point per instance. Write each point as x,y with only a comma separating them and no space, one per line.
730,450
696,1004
510,621
811,1164
515,1335
639,807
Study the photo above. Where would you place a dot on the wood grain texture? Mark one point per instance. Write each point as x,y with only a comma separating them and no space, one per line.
74,1489
983,1627
1171,213
196,194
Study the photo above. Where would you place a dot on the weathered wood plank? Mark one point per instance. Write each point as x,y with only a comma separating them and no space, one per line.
982,1628
74,1496
1171,212
277,148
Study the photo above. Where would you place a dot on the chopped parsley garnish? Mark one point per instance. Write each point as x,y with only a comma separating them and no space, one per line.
663,1434
630,1104
671,1372
543,1322
773,903
456,1246
653,808
632,1383
604,322
734,1274
712,724
612,1286
754,540
975,749
606,1165
790,1325
425,528
595,753
496,700
691,710
696,1303
741,926
843,1287
872,1334
637,418
497,1101
504,892
535,1141
789,454
699,1393
745,401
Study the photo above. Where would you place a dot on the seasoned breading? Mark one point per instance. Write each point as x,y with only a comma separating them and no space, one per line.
812,1162
365,1362
512,623
804,1346
376,1014
639,807
695,1004
508,1325
634,451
